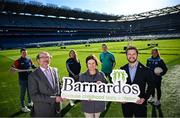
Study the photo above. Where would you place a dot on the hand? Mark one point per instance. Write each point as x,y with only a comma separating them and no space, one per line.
12,70
123,102
158,74
140,101
98,82
76,76
64,99
58,99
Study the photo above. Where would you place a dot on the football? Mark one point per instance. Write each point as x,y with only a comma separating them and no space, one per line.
158,70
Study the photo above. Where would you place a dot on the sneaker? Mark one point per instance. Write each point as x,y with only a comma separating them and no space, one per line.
30,104
157,103
151,100
71,103
25,109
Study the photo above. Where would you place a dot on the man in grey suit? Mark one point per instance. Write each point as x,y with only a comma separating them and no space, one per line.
44,88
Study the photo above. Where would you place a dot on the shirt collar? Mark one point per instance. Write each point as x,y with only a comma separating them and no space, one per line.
106,52
155,57
43,69
135,66
23,57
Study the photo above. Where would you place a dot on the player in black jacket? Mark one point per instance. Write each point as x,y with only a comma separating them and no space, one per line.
74,67
153,62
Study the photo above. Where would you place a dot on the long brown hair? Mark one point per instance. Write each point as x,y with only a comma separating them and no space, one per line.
156,49
72,50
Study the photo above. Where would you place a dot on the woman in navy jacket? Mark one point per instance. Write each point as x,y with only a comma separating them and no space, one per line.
156,61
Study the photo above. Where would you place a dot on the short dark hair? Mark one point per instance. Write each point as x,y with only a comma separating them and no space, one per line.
93,57
104,45
38,57
22,49
132,48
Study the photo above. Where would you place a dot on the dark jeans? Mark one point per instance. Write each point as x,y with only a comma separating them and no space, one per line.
132,109
108,76
157,85
23,88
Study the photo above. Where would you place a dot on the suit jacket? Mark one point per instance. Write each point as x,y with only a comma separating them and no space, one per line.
143,78
40,91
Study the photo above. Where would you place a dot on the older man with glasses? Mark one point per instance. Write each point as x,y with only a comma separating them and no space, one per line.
44,88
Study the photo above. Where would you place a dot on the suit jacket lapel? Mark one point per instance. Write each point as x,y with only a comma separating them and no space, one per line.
137,73
127,71
41,75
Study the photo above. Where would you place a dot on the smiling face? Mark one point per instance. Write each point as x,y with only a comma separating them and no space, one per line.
104,48
91,65
72,54
132,56
24,54
154,53
44,59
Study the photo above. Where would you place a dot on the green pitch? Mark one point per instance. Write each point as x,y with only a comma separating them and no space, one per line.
169,50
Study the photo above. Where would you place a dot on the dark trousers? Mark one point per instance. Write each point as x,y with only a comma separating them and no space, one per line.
45,110
23,88
157,85
108,76
132,109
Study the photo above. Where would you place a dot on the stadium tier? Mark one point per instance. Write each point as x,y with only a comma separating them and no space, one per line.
25,23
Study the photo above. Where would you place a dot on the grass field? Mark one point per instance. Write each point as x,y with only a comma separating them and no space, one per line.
170,52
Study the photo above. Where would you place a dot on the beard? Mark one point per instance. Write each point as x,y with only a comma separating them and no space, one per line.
132,60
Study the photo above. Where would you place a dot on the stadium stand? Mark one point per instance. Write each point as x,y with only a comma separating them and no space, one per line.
32,24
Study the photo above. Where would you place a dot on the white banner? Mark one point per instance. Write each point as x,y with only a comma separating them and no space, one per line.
118,91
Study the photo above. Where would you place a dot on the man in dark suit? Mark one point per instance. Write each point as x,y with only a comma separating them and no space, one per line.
44,88
140,75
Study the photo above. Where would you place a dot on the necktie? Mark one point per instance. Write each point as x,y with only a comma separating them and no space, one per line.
49,77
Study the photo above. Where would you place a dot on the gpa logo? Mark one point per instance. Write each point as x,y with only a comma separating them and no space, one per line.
116,91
